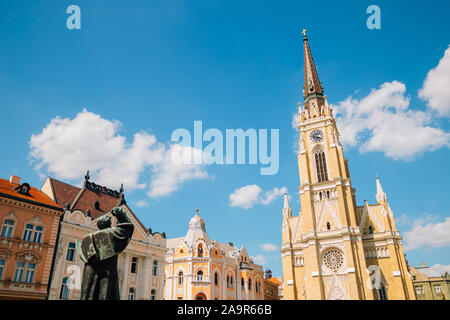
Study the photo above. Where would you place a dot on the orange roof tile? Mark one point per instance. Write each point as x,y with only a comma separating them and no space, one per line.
35,195
275,280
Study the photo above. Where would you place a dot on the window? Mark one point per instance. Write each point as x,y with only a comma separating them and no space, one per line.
321,166
200,275
28,232
30,273
134,264
382,293
2,266
180,277
249,284
7,228
200,250
18,275
231,282
216,279
155,267
153,294
38,234
64,293
419,290
242,284
370,229
131,294
70,255
438,289
328,226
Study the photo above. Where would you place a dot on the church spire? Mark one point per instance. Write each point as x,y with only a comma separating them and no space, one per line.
381,196
286,208
312,84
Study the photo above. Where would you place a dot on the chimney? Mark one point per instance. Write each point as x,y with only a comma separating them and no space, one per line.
14,179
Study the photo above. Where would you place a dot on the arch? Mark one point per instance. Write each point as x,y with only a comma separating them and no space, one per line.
153,294
201,296
132,294
199,275
320,162
180,278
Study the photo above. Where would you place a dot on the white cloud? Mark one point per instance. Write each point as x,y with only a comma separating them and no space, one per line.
268,247
431,234
141,204
442,269
436,86
247,196
66,148
259,259
383,121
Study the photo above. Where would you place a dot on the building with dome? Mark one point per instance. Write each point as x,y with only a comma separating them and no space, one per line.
198,268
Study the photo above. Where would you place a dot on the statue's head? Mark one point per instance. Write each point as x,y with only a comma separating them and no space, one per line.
104,222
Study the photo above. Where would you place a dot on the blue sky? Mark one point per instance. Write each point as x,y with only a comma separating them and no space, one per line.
156,66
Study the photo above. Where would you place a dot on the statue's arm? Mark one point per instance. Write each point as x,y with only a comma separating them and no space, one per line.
123,231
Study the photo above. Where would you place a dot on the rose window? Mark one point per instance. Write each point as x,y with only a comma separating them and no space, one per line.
333,259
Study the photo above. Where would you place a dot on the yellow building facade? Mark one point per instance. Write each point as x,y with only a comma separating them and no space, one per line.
335,249
429,284
198,268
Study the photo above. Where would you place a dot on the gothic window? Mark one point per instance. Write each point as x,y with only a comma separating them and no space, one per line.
7,228
216,279
228,281
2,266
328,226
18,275
134,264
370,229
180,278
30,273
320,195
200,250
131,294
155,268
328,194
333,260
200,275
242,284
70,255
231,282
153,294
28,232
382,293
321,166
64,293
249,284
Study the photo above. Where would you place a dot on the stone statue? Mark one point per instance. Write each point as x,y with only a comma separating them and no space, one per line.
99,250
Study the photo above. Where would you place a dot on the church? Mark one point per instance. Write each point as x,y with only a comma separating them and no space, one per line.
334,249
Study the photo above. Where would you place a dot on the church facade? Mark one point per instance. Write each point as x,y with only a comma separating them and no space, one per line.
335,249
198,268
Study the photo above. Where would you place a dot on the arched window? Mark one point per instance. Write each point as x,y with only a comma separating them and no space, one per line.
216,279
200,250
382,293
242,284
370,229
180,277
328,226
200,275
64,293
228,281
153,294
7,228
321,166
155,268
131,294
249,284
231,282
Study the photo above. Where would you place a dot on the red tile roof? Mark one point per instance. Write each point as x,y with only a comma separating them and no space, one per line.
64,193
275,280
35,195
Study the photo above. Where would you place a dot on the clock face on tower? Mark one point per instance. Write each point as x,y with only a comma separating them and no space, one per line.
316,136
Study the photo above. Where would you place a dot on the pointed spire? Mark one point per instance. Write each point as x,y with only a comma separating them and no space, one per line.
286,208
286,202
381,196
312,84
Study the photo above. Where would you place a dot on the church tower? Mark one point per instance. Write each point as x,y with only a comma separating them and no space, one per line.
323,252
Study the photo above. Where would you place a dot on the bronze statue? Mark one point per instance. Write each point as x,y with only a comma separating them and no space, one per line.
99,250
